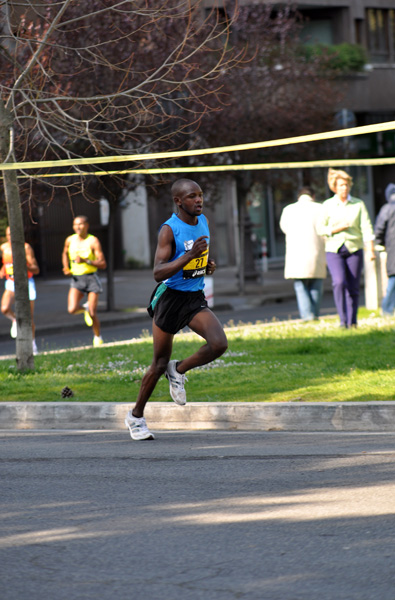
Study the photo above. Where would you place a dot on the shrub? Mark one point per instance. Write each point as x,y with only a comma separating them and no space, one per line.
343,58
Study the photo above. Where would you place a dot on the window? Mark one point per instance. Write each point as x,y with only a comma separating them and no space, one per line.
359,32
318,32
381,35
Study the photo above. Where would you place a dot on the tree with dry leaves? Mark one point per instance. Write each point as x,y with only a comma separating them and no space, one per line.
279,92
99,78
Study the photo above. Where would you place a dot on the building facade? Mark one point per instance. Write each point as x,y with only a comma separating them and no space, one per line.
367,98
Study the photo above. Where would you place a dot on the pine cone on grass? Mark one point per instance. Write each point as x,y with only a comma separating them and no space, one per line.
67,392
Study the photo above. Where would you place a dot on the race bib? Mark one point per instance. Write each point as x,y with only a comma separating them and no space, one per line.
196,267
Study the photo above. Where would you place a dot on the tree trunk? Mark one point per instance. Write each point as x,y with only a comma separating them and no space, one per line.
24,350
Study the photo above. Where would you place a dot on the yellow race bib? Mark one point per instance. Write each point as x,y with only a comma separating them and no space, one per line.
196,267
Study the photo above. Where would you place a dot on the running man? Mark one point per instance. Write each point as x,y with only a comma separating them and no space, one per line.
181,261
82,256
7,272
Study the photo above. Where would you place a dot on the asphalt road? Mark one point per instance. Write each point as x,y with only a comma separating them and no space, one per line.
126,331
197,515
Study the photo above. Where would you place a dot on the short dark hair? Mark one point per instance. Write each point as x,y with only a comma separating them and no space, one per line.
179,185
306,190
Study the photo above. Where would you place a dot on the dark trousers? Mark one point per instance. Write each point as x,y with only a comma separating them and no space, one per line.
345,269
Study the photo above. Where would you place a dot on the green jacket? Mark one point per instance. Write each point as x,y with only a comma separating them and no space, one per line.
352,213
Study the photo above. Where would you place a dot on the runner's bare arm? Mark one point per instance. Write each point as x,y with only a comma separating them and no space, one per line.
2,269
211,266
99,260
65,257
31,261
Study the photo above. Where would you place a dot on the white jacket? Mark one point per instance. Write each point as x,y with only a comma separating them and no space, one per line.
305,249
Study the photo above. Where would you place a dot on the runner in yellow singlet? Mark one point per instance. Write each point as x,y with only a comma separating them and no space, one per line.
82,256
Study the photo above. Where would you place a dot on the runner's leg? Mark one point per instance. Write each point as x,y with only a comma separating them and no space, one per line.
7,301
205,324
93,300
74,301
163,344
32,314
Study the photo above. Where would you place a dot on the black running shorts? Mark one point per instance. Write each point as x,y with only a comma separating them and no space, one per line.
87,283
175,310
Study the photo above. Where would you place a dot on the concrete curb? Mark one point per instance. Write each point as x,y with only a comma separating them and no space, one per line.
254,416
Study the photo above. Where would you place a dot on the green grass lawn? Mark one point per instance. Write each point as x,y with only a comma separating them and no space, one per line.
268,362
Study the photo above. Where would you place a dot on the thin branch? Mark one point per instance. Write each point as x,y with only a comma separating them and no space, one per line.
35,56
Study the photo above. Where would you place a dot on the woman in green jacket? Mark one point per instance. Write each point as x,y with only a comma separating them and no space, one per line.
347,228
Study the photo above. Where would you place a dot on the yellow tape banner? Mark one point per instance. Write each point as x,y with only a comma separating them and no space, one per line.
221,168
378,127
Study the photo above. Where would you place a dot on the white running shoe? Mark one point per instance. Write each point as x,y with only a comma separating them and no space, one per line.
97,341
13,331
138,428
176,382
35,349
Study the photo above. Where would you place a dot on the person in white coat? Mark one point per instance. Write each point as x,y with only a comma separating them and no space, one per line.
305,260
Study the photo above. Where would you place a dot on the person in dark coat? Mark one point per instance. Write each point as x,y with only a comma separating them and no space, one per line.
384,230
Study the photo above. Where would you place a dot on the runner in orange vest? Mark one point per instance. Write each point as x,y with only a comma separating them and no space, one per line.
7,272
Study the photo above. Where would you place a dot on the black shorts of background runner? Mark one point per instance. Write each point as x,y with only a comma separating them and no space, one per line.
176,309
87,283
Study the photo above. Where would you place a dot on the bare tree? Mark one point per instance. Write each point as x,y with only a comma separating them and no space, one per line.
99,78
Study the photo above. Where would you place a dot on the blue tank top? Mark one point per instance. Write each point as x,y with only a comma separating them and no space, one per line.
191,277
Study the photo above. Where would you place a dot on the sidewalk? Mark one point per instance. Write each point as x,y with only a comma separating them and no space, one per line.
132,290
